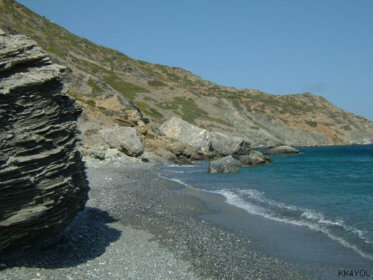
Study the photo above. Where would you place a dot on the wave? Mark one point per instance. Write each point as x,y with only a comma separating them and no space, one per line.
181,165
254,202
175,180
173,171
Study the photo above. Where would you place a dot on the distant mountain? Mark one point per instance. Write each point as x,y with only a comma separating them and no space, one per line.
114,88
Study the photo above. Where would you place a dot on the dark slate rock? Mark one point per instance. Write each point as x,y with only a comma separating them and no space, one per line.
42,177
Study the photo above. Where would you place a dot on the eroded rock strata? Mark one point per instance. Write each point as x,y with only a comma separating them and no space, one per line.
42,177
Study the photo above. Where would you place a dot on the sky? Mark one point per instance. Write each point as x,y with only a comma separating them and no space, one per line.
277,46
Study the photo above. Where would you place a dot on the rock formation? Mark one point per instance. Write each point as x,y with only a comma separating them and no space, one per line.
254,158
183,131
282,150
42,178
226,164
123,139
202,139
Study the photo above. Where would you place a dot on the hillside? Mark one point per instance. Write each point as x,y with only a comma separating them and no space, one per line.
113,88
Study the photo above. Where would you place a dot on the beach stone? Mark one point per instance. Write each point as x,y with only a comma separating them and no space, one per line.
43,184
282,150
255,158
124,139
226,164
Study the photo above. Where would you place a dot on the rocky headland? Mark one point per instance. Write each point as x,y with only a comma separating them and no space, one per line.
116,90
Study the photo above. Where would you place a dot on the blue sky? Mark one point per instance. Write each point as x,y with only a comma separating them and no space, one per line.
277,46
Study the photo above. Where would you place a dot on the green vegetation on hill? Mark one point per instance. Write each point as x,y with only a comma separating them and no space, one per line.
128,90
189,109
95,88
159,90
146,108
156,83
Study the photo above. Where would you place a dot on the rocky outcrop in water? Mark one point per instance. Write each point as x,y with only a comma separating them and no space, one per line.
254,158
283,150
226,164
42,178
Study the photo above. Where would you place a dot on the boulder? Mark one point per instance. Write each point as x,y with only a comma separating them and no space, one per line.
243,148
171,150
203,140
180,130
255,158
42,177
282,150
95,152
226,164
124,139
225,145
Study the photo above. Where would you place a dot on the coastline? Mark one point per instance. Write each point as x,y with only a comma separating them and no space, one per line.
312,253
137,225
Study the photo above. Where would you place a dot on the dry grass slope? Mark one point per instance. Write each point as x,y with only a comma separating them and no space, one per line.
162,92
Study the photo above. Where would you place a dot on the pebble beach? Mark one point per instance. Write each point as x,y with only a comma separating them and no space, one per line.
137,225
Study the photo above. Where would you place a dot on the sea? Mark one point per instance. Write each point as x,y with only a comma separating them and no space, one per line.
328,190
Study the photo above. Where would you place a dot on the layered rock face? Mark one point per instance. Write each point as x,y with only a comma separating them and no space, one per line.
42,178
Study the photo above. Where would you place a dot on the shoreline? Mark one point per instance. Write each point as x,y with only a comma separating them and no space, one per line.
312,252
137,225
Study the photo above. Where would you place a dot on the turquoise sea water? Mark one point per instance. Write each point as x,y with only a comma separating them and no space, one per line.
327,189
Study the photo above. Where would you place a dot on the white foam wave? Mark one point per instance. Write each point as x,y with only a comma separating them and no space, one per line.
259,196
307,214
173,171
308,218
175,180
270,209
185,165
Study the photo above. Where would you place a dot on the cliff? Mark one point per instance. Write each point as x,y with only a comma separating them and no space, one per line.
114,89
43,183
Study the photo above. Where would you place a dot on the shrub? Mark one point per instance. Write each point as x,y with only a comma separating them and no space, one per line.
126,89
91,102
311,123
94,87
56,51
156,83
147,109
173,77
189,109
148,98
